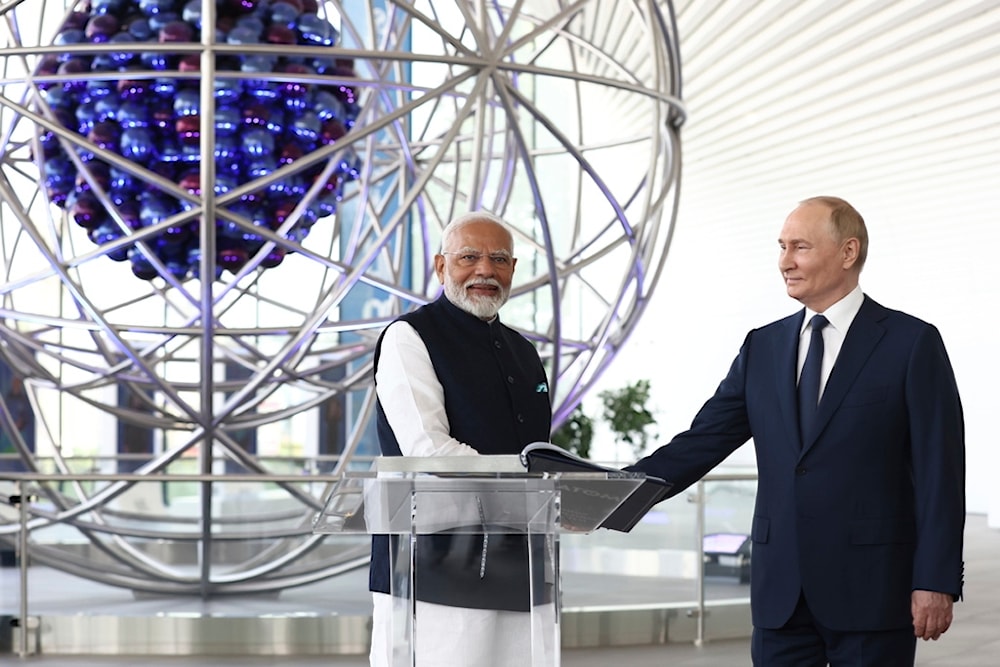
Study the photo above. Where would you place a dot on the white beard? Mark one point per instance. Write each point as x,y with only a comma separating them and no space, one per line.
483,307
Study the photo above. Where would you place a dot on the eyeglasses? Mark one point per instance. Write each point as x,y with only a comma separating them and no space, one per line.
469,259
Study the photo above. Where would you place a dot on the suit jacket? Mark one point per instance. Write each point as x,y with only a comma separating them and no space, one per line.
867,507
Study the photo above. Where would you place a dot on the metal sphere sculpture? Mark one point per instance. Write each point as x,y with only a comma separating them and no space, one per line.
336,139
142,126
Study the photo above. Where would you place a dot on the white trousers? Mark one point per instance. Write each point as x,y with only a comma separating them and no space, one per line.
461,637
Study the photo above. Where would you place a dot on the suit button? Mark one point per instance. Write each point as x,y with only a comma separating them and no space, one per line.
800,470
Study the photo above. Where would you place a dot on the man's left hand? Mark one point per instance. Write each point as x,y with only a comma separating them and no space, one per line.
932,613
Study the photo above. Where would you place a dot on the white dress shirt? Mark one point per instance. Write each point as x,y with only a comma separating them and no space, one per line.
840,316
412,397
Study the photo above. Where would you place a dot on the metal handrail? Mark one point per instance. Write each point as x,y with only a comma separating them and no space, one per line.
698,497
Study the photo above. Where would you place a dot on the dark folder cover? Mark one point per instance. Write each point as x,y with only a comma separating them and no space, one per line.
546,457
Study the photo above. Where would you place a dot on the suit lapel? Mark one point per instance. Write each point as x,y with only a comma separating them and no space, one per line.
859,343
786,359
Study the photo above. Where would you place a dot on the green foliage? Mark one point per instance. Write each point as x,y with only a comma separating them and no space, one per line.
626,413
576,433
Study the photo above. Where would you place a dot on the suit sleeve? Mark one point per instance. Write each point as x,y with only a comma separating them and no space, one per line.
719,428
938,459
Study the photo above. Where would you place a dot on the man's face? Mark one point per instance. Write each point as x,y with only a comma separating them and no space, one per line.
817,268
476,268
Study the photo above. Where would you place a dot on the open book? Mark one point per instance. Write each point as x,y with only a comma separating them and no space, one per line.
546,457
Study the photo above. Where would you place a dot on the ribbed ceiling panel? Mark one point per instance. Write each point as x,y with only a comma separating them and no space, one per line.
783,94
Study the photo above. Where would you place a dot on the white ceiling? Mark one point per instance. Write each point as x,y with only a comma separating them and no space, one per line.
896,97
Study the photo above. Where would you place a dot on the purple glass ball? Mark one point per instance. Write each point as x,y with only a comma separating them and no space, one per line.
142,268
86,210
137,144
189,130
232,258
273,258
101,27
175,31
152,7
187,102
105,134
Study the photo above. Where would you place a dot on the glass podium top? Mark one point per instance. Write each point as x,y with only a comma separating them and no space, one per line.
478,494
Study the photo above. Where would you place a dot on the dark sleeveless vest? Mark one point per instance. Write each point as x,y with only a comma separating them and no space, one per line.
497,401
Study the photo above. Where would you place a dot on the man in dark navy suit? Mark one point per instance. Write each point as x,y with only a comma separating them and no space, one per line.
860,510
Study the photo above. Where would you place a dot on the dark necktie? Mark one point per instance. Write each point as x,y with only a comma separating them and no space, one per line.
809,379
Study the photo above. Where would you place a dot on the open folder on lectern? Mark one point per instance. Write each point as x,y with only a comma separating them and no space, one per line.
548,458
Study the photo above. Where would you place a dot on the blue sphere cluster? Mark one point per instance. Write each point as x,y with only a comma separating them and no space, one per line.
152,118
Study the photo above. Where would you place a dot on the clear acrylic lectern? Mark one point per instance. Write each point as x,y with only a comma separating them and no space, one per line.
496,525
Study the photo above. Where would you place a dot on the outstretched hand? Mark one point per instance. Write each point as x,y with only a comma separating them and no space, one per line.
932,613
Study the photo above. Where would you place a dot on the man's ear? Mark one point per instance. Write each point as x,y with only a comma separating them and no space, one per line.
850,249
439,267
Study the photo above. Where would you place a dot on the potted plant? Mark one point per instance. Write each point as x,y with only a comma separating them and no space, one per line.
626,413
576,433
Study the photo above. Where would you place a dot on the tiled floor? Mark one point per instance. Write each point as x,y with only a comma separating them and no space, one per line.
973,641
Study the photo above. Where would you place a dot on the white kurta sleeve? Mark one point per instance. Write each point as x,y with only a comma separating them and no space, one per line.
412,397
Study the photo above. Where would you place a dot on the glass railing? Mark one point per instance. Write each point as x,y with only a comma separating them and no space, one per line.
183,538
690,553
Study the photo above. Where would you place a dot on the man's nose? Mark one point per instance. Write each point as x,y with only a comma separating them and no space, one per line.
484,266
785,260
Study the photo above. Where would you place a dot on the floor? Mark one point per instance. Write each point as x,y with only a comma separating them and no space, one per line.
973,640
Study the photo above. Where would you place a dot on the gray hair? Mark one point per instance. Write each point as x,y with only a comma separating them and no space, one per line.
469,218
